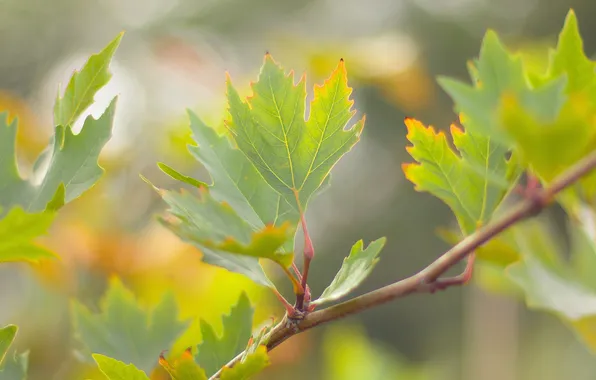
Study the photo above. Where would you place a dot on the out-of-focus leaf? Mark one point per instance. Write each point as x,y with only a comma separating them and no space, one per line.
553,145
561,295
350,355
125,331
72,164
215,351
471,195
355,268
15,367
499,251
225,239
236,181
117,370
293,155
7,335
83,86
494,73
184,367
68,166
250,366
17,231
179,176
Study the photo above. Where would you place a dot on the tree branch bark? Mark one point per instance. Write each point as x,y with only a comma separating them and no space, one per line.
423,281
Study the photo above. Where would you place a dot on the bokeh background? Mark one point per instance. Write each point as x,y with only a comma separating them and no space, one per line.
174,56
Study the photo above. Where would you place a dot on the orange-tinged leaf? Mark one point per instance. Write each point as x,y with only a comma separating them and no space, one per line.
294,155
464,182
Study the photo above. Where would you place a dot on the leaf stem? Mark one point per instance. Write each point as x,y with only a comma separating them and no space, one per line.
298,287
426,280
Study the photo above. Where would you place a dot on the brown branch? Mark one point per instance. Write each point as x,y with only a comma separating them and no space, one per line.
424,281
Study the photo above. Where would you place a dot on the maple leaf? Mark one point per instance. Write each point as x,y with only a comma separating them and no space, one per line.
251,365
17,231
355,268
549,144
71,159
125,331
293,155
214,352
225,239
117,370
455,179
236,181
184,367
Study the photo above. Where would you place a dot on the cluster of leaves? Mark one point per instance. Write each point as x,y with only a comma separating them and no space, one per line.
264,172
516,119
63,171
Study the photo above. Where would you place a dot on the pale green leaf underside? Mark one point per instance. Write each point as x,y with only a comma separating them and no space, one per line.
225,239
117,370
215,351
68,166
354,270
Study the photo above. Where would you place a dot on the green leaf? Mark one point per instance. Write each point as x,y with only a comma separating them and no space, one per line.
253,364
495,73
17,231
179,176
355,268
83,86
126,331
472,196
215,351
225,239
551,145
72,169
117,370
15,367
72,159
7,335
293,155
183,368
236,181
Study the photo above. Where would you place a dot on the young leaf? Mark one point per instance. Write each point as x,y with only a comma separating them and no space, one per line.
225,239
72,164
293,155
7,335
183,368
250,366
355,268
214,351
117,370
17,231
125,331
179,176
236,181
472,196
83,85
